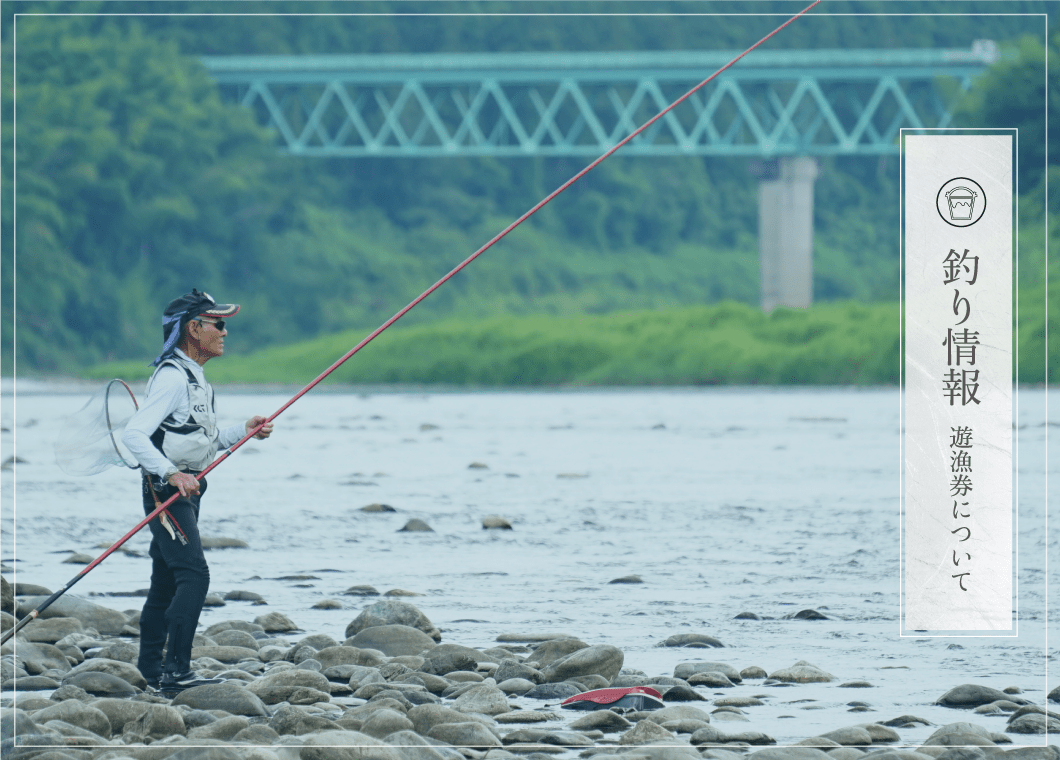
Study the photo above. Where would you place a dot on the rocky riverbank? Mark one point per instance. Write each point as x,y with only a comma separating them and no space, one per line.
393,690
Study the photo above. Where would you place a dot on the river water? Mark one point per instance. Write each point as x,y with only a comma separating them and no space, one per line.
721,500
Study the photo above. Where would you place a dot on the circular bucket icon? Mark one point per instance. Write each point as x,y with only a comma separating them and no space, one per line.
961,201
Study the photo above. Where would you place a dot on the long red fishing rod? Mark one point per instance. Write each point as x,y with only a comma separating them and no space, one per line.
44,605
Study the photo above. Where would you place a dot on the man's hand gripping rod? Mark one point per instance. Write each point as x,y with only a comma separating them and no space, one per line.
44,605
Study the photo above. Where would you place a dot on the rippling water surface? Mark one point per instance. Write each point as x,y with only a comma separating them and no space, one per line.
721,500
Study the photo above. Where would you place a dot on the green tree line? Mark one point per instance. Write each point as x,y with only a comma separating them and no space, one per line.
136,182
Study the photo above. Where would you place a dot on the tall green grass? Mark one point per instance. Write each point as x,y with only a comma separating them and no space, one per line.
728,343
836,343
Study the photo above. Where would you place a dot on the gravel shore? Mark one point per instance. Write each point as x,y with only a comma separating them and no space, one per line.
393,689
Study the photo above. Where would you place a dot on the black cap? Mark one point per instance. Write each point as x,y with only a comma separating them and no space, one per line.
196,304
182,310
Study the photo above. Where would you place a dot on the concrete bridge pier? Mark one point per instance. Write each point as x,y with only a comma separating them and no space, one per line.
785,231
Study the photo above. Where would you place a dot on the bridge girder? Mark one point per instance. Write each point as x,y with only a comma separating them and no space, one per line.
773,103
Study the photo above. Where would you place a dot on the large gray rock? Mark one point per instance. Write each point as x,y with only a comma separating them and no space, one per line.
789,753
802,672
514,669
392,613
76,714
156,721
105,620
50,630
101,684
284,685
258,734
392,640
706,735
40,657
484,699
382,723
224,729
229,696
122,670
456,649
548,691
347,745
144,719
37,746
851,736
15,722
30,683
469,734
122,651
686,670
329,657
7,596
426,717
236,638
552,650
450,661
646,732
665,751
601,720
227,655
275,622
291,721
696,640
677,712
1034,723
433,684
973,695
1050,752
232,625
601,659
415,747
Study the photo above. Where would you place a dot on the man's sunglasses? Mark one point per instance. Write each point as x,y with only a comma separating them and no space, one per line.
218,323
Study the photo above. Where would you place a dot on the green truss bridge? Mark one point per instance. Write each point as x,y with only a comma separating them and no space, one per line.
771,104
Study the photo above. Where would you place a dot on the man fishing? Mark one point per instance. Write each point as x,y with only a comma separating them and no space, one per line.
174,436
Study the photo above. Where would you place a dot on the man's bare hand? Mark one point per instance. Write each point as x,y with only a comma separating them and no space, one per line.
187,484
266,429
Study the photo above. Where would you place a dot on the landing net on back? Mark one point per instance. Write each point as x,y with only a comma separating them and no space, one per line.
91,438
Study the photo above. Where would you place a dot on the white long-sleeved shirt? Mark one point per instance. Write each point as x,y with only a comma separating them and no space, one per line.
168,395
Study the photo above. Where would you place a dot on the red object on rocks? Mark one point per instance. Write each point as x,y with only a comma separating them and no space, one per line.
636,697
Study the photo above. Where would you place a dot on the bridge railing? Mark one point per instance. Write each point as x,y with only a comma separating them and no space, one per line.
772,103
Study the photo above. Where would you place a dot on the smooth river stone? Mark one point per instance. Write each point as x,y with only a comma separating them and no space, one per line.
102,684
347,745
122,670
393,640
802,672
699,640
484,698
390,612
76,714
229,696
601,659
236,638
51,630
553,650
973,695
686,670
160,721
105,620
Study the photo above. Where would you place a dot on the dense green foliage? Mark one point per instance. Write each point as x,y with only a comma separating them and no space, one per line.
136,182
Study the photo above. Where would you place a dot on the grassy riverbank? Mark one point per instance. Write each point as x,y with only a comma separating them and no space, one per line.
838,343
729,343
